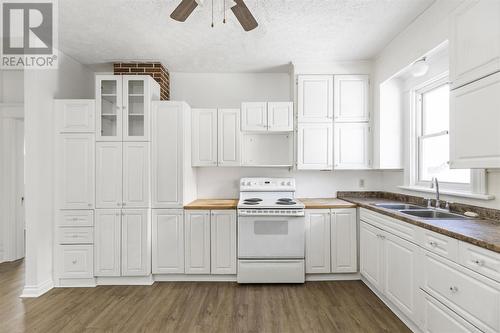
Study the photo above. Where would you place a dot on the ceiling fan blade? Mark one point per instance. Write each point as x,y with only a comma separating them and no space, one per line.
244,15
185,8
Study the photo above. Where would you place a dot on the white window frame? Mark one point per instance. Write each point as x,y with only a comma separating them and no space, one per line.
477,185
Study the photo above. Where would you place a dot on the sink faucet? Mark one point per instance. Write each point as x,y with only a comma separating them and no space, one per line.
435,184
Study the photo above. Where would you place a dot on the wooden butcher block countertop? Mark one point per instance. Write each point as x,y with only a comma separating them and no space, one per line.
326,203
212,204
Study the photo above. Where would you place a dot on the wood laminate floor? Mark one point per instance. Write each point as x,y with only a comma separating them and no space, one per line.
344,306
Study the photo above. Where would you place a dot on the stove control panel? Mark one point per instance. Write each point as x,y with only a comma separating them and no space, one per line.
271,212
267,184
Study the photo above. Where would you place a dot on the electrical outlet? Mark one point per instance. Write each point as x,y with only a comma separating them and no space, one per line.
361,183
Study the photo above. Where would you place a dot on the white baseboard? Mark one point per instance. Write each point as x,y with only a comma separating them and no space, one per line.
194,278
38,290
333,277
124,280
76,283
407,321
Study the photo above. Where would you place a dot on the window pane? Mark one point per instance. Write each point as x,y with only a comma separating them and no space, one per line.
436,109
434,162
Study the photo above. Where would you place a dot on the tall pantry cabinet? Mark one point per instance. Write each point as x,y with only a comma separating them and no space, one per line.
123,202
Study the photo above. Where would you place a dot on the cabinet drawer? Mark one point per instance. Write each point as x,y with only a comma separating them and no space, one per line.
472,296
75,218
396,227
439,244
480,260
75,235
438,318
77,261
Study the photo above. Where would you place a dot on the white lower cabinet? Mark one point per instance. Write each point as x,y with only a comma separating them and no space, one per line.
122,242
210,241
168,241
371,250
331,241
76,261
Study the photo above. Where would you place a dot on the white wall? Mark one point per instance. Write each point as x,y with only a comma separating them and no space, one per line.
70,80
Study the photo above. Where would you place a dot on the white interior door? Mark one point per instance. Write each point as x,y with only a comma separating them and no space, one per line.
136,240
197,241
168,241
75,170
136,175
204,137
351,98
20,216
109,170
229,152
352,146
107,242
254,116
344,241
318,241
280,116
223,241
315,146
315,98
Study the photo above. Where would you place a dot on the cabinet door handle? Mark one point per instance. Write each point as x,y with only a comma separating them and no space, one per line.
73,262
433,244
479,262
124,203
454,289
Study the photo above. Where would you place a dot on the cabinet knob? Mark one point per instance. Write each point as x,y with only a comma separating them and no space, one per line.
479,262
124,203
118,204
433,244
73,262
454,289
90,205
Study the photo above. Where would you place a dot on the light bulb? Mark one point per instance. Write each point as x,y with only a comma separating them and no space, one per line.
420,68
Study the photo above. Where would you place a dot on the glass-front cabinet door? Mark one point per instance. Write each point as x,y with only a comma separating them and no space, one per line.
109,108
136,108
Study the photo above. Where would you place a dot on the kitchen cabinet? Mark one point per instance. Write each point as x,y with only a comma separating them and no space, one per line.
280,116
223,241
173,177
229,137
254,116
315,98
352,146
75,115
123,106
474,120
122,242
122,172
76,261
318,241
74,171
474,46
351,98
168,241
331,241
371,255
315,146
204,136
197,242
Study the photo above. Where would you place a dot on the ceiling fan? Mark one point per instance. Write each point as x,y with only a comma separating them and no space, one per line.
239,9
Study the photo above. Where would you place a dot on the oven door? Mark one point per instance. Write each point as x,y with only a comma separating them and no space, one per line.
270,237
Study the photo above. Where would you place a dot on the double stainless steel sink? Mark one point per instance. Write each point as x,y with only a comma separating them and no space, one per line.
422,212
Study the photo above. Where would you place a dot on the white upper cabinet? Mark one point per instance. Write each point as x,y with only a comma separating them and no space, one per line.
75,115
474,124
123,106
351,98
254,116
344,254
75,176
352,146
204,137
108,175
107,242
315,98
223,241
197,241
474,41
317,241
315,151
168,241
280,116
229,136
136,175
136,242
109,107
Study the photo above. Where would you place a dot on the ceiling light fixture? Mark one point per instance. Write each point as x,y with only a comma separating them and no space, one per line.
420,67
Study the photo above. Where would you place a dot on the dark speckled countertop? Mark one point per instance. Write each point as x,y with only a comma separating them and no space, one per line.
481,232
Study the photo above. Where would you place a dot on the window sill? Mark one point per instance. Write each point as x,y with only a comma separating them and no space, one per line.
469,195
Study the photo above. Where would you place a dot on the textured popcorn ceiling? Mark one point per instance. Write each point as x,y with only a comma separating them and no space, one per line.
300,31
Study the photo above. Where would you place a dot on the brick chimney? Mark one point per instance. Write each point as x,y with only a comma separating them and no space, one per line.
154,69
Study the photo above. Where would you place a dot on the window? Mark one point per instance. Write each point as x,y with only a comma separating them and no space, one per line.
432,138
